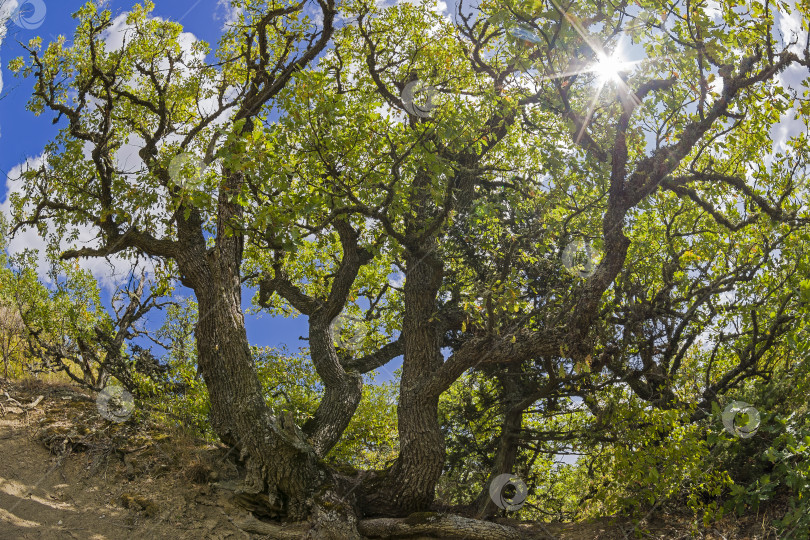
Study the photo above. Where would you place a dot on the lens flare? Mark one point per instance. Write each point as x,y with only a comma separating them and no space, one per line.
609,68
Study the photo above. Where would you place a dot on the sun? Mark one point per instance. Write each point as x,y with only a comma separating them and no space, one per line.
608,68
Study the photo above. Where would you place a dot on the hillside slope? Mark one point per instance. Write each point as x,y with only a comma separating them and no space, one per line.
65,472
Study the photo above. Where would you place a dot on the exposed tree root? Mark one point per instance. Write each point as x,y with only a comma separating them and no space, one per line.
323,526
430,524
422,524
287,531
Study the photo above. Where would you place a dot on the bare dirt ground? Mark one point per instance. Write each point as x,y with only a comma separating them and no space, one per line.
99,481
65,472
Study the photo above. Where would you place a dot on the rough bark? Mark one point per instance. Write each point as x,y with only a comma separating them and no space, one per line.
410,484
323,525
343,384
420,525
280,462
284,473
342,390
420,436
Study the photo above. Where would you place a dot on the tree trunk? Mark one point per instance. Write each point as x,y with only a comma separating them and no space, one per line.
277,456
410,484
342,390
430,525
421,441
505,457
284,476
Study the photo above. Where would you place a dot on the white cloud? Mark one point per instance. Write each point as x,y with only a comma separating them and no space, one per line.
117,32
120,31
714,10
113,271
26,238
791,28
109,272
7,7
396,278
789,126
437,6
227,12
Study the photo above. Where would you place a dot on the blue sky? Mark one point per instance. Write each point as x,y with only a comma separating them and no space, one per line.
23,136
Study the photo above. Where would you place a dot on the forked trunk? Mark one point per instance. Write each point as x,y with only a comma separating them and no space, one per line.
284,475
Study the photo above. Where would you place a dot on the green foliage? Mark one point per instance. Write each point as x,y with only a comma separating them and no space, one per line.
471,421
371,440
774,465
182,399
64,315
661,456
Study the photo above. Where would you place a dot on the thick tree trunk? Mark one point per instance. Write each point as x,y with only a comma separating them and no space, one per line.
420,525
280,462
421,441
430,525
410,484
285,476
